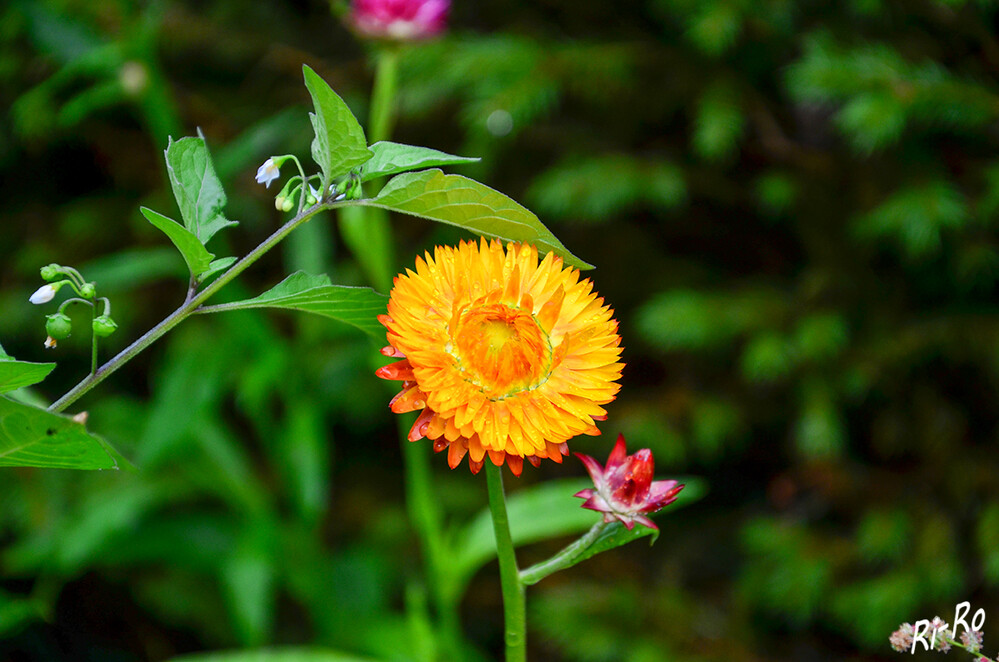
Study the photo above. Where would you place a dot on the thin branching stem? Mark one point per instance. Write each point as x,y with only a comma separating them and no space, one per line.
188,308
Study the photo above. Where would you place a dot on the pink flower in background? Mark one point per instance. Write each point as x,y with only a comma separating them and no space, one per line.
400,20
625,489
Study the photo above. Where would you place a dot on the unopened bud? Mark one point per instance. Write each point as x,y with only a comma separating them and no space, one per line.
50,272
44,294
104,326
88,291
279,203
287,205
58,326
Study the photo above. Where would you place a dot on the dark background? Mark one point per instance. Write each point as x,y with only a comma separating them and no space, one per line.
792,206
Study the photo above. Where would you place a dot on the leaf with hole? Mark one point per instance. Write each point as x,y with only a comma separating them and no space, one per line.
34,437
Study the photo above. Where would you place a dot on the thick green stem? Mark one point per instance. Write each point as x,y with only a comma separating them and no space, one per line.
188,308
514,594
383,97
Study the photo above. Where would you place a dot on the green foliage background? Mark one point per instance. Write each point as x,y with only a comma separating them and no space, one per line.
791,205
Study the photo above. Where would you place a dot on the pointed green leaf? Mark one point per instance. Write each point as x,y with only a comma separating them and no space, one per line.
339,145
392,158
274,655
194,252
357,306
216,266
33,437
464,202
197,188
15,374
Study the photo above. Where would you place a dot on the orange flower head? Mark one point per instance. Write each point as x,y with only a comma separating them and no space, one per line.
502,354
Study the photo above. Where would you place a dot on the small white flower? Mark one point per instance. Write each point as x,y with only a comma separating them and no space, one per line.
268,172
50,342
43,294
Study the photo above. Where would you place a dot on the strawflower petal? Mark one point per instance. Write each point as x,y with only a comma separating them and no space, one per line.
507,355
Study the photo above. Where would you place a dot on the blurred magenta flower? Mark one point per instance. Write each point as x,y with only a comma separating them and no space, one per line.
625,489
400,20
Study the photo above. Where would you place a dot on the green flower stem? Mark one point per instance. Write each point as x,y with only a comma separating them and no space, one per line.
424,509
69,302
93,341
383,97
188,308
514,594
564,559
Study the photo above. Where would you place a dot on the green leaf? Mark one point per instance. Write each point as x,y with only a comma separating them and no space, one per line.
216,266
339,145
33,437
195,254
541,513
356,306
15,374
464,202
248,580
392,158
275,655
197,188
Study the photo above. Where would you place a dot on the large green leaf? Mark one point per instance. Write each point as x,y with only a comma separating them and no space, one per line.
339,145
464,202
357,306
33,437
275,655
541,513
392,158
15,374
197,188
195,254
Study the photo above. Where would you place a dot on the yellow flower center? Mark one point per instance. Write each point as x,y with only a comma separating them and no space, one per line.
501,350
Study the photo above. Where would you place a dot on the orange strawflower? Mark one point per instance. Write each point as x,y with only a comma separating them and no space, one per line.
503,355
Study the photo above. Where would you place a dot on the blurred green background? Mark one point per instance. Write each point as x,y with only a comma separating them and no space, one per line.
792,206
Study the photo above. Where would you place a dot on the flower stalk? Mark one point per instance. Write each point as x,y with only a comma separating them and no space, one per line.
514,594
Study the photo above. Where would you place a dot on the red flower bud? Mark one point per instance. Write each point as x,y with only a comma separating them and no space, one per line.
625,489
399,20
